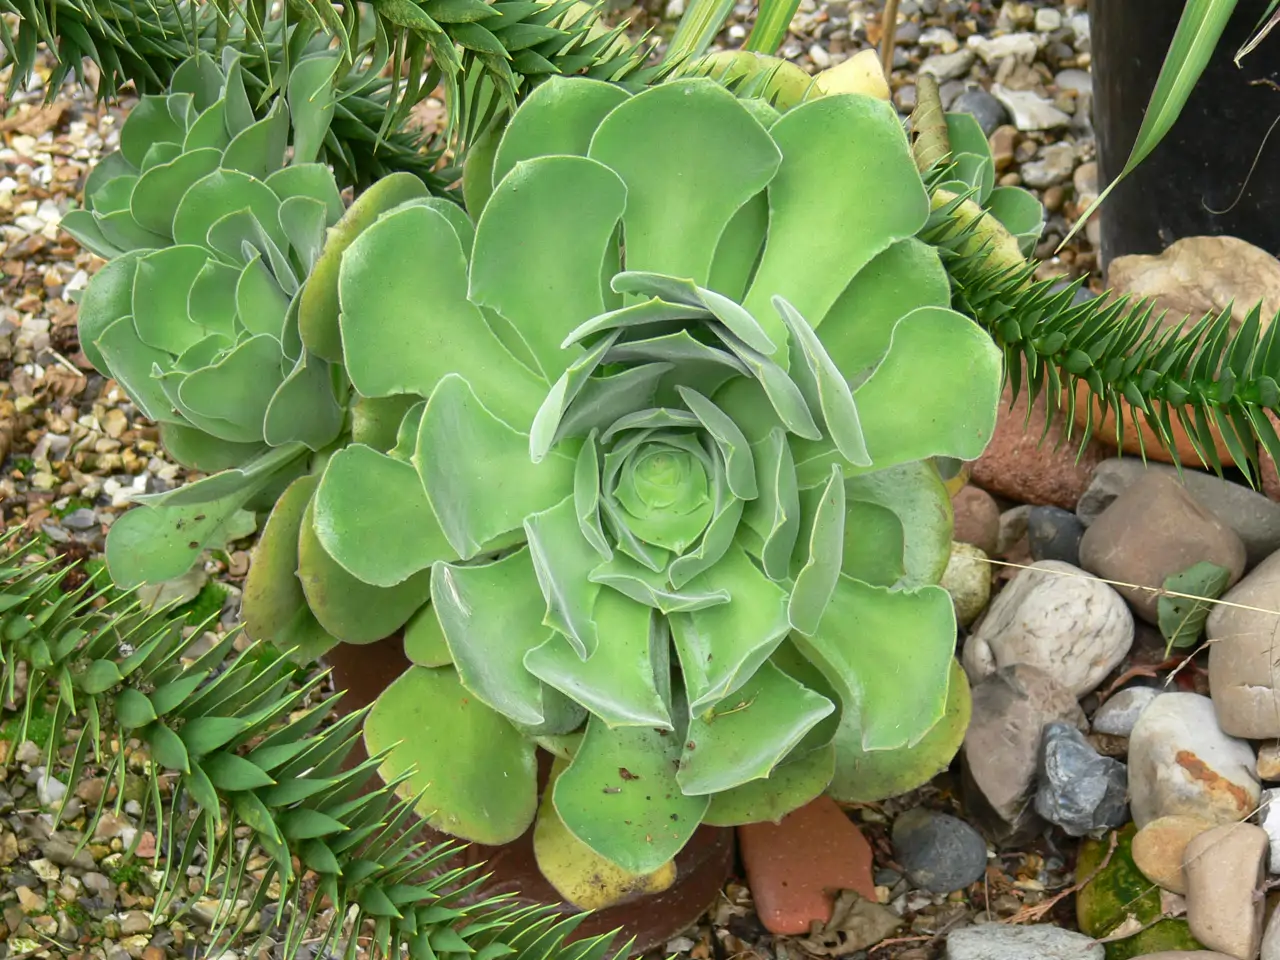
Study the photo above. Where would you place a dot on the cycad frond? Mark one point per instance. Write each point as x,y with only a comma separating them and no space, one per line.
241,743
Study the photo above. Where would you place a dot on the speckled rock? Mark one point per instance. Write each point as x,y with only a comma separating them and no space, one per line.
1244,654
1055,617
1154,529
998,941
1180,762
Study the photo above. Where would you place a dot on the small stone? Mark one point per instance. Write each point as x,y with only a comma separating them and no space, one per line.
31,903
1085,181
1226,870
1254,518
1018,465
46,870
985,108
1029,110
904,98
64,854
28,753
998,941
1048,20
49,790
1154,529
1269,765
948,66
1022,47
1004,142
81,519
976,518
968,580
794,866
1120,712
1159,847
8,848
1056,618
114,423
1054,534
96,882
1079,81
939,853
1242,654
1180,762
1271,938
1079,790
135,921
1268,817
1055,165
1002,746
1054,198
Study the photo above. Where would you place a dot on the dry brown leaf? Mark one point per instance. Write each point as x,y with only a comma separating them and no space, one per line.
856,924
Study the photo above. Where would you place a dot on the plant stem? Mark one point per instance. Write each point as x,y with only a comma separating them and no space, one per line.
888,35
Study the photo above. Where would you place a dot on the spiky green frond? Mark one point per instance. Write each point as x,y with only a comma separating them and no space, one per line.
488,54
1198,374
243,743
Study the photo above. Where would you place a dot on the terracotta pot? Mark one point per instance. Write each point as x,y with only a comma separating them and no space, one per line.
1135,424
702,867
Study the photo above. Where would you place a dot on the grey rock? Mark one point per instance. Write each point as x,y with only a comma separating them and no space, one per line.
81,519
1013,527
1080,790
998,941
1057,619
64,854
986,109
1054,534
1002,746
948,66
1180,762
96,882
1254,517
1056,163
940,853
904,98
1271,939
1082,295
1268,818
950,91
48,789
1117,716
1030,111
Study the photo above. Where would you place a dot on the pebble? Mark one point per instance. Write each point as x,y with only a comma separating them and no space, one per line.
998,941
1254,518
994,50
968,580
1054,534
986,109
1029,110
1159,847
948,66
1268,817
1271,938
976,518
1056,164
1002,745
1004,141
1152,530
1056,618
1121,710
1081,81
1226,870
940,853
1079,790
135,921
1243,654
1013,528
1048,19
1180,762
1269,763
49,790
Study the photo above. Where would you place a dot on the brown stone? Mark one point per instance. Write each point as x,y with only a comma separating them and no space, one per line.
796,867
1154,529
1269,761
1002,745
1226,874
1158,849
976,519
1017,464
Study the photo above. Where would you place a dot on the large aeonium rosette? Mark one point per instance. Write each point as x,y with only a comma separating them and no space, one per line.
639,468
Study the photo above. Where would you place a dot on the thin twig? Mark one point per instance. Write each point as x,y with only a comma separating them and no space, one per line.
888,35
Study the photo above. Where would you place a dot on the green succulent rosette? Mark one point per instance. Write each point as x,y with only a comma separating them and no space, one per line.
641,469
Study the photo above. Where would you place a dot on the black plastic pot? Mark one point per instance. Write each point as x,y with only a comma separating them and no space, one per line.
1204,161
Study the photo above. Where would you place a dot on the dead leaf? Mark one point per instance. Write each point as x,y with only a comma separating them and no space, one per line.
856,924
